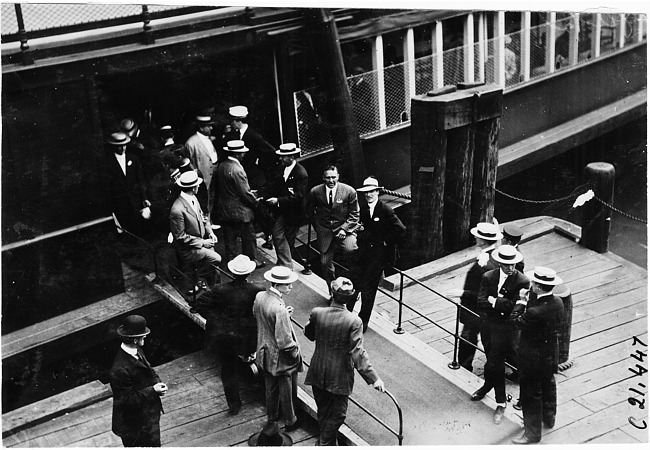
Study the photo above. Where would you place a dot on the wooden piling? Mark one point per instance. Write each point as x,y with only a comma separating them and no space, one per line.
596,217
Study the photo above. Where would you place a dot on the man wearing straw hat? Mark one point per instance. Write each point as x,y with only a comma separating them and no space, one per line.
339,348
230,329
499,291
203,154
379,232
539,315
192,230
235,203
278,354
136,388
487,237
289,201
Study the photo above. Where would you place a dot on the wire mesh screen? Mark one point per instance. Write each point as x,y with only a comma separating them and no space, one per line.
425,81
365,100
562,38
396,93
311,121
609,27
538,50
453,65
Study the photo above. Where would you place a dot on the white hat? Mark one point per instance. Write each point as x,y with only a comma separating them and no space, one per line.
236,147
507,254
370,184
204,120
342,287
544,275
238,112
281,275
241,265
487,231
287,150
189,179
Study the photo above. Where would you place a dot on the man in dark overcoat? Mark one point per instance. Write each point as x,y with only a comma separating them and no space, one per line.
230,329
289,192
539,315
136,388
379,232
339,349
500,289
487,237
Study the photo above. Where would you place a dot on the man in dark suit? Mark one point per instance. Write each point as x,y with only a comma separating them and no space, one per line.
379,232
235,204
512,235
127,185
339,349
192,230
500,289
539,315
333,209
203,155
136,389
487,237
230,330
289,199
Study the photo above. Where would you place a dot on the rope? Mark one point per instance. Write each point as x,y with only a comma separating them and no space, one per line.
395,193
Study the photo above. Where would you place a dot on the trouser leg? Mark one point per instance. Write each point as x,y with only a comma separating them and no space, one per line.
531,402
466,351
230,233
281,242
272,387
248,244
332,410
230,376
288,385
549,399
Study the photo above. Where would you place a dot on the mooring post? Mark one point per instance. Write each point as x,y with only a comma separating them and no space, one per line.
596,217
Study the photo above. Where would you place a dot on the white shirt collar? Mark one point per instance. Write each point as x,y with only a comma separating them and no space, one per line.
544,294
287,170
242,130
121,159
333,191
272,289
372,207
232,158
130,350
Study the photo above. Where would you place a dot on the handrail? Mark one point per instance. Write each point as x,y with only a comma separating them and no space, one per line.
399,434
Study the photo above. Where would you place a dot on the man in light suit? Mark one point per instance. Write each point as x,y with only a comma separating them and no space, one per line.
288,200
192,230
278,354
339,348
136,388
203,155
380,231
235,204
333,209
499,291
127,185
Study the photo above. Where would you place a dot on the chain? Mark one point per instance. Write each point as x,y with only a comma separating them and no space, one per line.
573,194
621,212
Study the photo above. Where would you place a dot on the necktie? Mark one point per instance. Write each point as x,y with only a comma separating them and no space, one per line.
330,198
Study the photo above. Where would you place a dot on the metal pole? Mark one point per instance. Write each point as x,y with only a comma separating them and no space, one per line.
307,266
147,31
454,363
22,34
399,329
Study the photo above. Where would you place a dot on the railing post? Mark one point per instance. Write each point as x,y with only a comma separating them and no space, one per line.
26,56
399,329
454,363
307,265
147,31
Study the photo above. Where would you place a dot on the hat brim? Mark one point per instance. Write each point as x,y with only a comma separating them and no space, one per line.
128,139
286,439
531,276
476,233
249,269
290,153
196,183
292,278
239,150
344,294
120,331
369,188
518,258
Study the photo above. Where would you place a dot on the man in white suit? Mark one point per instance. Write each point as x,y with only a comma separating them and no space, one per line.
203,155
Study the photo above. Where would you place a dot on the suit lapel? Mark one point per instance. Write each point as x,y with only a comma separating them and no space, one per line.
189,209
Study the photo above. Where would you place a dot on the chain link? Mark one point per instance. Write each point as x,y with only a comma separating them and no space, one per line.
573,194
621,212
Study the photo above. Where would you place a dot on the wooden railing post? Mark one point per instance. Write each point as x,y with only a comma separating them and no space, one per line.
596,217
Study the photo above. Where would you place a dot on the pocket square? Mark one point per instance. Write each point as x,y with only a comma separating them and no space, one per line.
376,219
129,163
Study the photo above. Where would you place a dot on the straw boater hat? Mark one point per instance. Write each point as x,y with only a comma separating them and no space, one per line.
270,436
189,179
241,265
238,112
544,275
342,288
281,275
287,150
204,120
236,147
486,231
370,184
134,326
118,138
507,254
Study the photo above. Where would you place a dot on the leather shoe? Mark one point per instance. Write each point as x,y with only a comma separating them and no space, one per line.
478,395
523,440
549,423
234,408
498,414
268,245
294,426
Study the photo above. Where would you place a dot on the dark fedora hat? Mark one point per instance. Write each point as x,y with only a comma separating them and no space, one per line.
270,436
512,232
133,326
118,138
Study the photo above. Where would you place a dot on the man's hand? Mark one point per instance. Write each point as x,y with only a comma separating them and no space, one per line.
213,238
160,388
341,234
208,243
272,201
289,309
379,385
492,300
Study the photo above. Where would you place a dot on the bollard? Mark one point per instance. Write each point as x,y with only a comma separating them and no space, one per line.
564,335
596,217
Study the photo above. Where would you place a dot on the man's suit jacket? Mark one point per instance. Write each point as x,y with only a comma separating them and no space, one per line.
339,350
278,352
329,220
291,194
188,229
234,199
136,406
128,192
506,297
228,311
382,231
200,157
259,158
472,285
540,324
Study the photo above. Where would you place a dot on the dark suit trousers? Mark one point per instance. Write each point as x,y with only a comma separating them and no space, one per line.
471,330
231,373
284,237
538,397
145,438
370,267
503,336
281,393
332,410
233,230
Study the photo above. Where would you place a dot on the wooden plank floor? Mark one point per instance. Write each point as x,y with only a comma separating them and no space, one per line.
609,309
